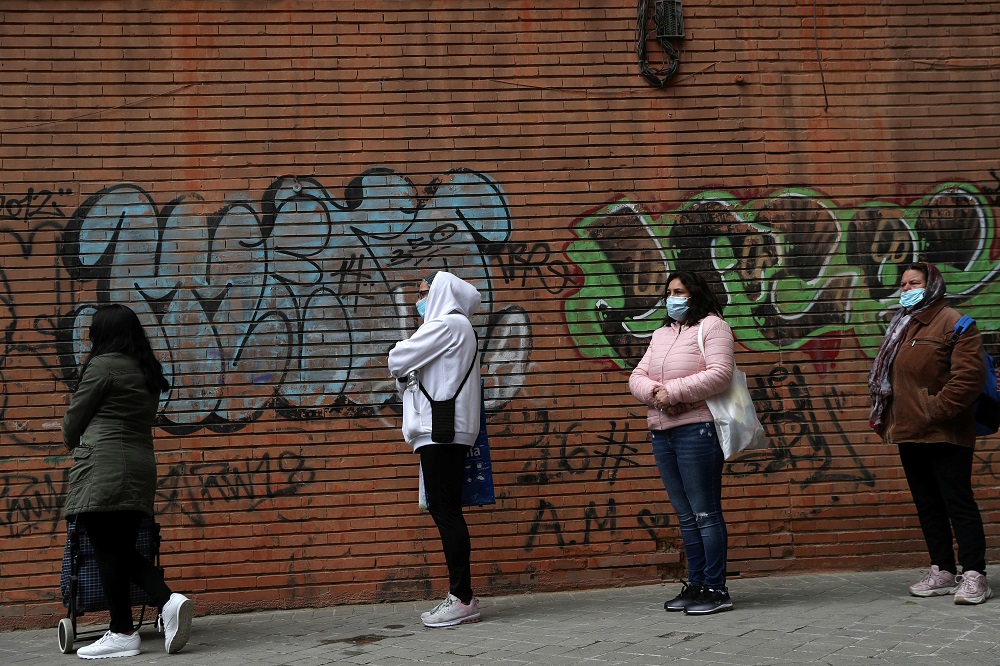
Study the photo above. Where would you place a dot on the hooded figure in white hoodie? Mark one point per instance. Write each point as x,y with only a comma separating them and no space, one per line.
438,363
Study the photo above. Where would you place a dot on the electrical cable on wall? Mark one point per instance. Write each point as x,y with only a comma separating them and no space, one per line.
819,59
669,25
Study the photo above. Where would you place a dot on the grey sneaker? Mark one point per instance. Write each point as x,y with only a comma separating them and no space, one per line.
111,645
973,588
452,611
936,583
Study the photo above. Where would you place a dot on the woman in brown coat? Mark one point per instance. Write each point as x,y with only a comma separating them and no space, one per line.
923,384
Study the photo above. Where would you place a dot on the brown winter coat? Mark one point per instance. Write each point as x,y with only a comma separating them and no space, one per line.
933,384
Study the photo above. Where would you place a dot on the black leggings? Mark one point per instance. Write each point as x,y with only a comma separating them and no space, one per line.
113,535
443,467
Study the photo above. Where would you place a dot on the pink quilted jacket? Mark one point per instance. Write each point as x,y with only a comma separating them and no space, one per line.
674,361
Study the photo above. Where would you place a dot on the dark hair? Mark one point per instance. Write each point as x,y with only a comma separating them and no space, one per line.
702,301
116,329
917,267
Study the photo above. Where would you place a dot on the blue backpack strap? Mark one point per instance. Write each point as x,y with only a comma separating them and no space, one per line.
961,326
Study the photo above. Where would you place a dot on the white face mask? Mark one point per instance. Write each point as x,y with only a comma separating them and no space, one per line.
911,297
677,307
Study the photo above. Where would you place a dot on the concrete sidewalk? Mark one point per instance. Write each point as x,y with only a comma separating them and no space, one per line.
837,619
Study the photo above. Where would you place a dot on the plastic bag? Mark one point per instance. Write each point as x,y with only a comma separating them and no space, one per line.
732,410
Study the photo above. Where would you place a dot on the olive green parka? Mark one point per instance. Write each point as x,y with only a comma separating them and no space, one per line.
108,427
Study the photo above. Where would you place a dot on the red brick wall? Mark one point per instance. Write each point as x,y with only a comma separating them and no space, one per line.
264,187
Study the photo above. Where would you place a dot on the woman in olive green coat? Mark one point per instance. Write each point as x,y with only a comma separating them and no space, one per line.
109,428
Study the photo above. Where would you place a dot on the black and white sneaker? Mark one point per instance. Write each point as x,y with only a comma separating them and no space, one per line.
689,592
710,601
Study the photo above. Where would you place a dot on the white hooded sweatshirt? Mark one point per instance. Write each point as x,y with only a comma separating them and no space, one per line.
441,351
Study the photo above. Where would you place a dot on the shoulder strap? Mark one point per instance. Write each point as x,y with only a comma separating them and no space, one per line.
961,326
475,360
701,338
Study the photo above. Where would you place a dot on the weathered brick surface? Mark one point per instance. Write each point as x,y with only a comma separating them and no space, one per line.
265,187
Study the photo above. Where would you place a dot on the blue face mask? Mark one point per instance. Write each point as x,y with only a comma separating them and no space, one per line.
677,307
910,298
421,306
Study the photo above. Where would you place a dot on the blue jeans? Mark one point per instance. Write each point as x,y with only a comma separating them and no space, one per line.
690,461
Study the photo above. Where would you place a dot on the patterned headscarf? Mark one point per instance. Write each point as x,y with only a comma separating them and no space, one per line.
879,384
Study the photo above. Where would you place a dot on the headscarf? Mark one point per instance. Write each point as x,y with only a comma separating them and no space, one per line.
879,383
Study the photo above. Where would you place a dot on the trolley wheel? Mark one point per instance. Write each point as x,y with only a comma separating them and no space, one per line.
66,635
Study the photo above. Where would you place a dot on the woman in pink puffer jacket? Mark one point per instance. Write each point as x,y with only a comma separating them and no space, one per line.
673,379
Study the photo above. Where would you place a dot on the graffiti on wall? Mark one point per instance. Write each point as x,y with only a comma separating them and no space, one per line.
292,303
789,269
33,205
793,272
561,454
289,303
29,501
193,488
25,219
796,418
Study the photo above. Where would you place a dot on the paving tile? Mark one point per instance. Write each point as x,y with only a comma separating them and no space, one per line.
829,619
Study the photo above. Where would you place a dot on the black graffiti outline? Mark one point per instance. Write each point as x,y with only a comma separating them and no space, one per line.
225,482
618,458
782,458
40,500
30,209
518,261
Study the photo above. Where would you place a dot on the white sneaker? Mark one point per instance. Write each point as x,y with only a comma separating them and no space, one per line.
111,645
447,601
450,612
176,616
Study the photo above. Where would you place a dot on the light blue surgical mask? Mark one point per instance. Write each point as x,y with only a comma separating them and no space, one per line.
421,306
911,297
677,307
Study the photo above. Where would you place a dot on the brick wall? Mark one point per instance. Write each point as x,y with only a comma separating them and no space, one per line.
264,187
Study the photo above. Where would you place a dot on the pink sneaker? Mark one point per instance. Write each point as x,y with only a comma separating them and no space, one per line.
973,589
935,583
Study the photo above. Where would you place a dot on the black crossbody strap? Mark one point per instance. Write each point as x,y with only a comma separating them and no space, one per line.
475,360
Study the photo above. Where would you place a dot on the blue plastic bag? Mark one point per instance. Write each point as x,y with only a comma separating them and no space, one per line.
477,488
477,485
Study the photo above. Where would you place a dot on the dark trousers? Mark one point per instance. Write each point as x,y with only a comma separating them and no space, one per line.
113,535
940,480
443,468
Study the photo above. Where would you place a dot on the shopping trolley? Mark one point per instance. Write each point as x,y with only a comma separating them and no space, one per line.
80,581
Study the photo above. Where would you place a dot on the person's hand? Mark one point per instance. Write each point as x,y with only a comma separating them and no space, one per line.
679,408
661,399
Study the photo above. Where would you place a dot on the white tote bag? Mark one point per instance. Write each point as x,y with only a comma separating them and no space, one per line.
735,419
